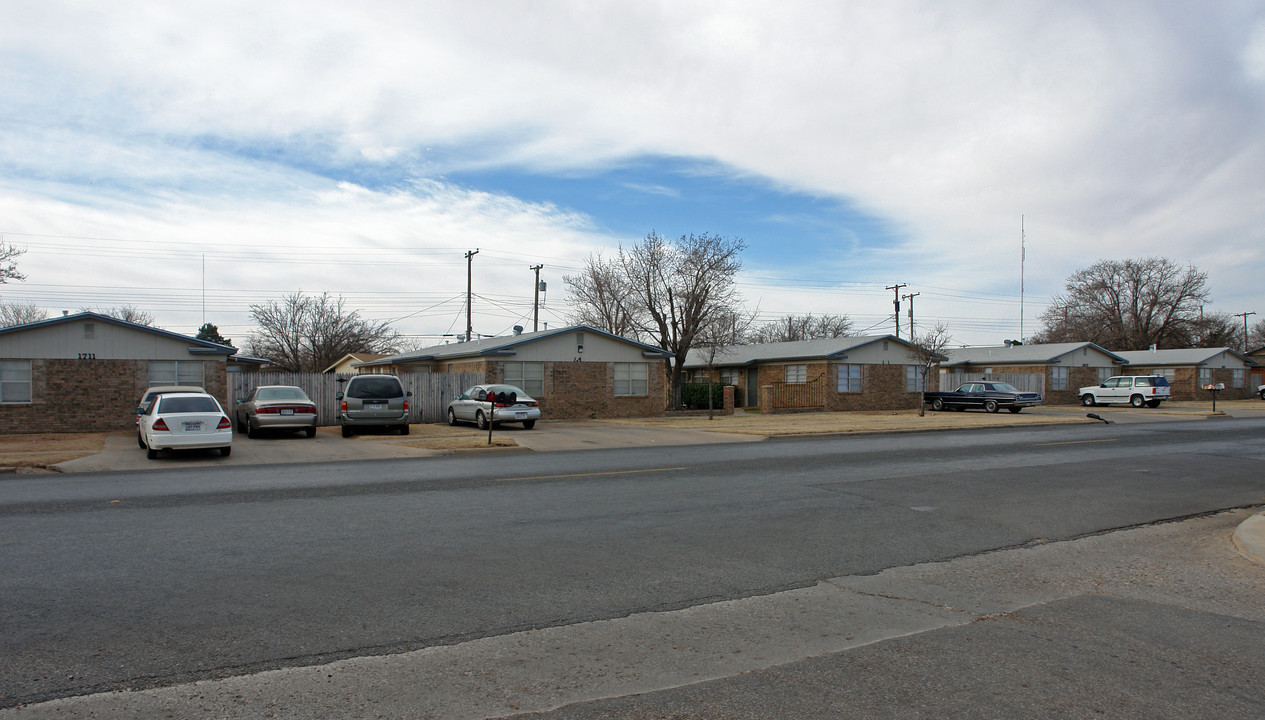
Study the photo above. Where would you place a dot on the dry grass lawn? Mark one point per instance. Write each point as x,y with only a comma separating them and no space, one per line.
35,451
823,422
439,436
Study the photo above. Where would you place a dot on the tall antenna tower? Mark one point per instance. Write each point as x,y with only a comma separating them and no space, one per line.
1023,255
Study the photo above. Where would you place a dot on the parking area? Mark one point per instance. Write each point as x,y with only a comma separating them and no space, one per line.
90,452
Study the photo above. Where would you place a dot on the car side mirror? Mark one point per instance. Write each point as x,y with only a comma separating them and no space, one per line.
408,394
140,411
338,396
240,400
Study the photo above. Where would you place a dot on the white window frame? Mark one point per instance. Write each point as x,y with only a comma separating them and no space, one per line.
1104,373
850,378
1240,377
177,372
632,379
796,374
530,376
913,378
1059,377
1205,376
15,382
730,376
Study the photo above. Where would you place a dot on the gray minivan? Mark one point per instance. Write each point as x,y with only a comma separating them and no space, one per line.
373,401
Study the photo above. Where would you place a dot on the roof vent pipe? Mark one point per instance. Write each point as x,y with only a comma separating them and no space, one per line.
518,329
1153,346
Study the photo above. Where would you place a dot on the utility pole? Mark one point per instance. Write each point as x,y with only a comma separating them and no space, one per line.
896,288
910,297
1244,316
470,292
535,308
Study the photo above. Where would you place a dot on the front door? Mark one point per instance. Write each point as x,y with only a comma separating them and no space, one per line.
753,387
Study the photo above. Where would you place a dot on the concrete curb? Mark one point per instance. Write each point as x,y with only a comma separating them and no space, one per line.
1249,538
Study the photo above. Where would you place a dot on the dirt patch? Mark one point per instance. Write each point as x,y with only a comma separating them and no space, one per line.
37,451
814,423
457,443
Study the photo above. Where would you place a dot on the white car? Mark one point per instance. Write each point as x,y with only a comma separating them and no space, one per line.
184,421
1261,391
511,405
1137,390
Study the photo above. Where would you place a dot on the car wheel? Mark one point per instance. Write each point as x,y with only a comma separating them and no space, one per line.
1152,403
937,404
346,431
990,406
1014,410
480,420
251,430
151,453
1088,400
140,441
226,451
529,424
1137,401
404,429
311,432
452,417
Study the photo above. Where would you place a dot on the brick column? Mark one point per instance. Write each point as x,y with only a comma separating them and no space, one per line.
728,392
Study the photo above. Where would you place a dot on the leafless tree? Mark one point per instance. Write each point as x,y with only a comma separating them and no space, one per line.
1216,329
676,287
20,313
929,349
9,268
723,331
1128,305
126,313
1256,336
792,327
308,334
599,295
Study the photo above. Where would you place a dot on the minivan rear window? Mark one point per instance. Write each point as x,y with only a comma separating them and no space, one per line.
366,388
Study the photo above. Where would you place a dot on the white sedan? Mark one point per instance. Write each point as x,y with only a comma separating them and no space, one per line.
184,421
511,405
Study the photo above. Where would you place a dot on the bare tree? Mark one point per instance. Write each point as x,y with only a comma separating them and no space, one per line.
929,349
1256,336
793,327
126,313
308,334
9,268
676,287
20,313
1216,329
1128,305
722,332
599,296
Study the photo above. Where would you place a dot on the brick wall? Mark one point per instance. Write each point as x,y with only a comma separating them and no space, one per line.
576,390
882,388
90,396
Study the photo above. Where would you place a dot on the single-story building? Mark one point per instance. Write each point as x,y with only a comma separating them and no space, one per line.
1188,370
875,372
575,372
86,371
344,364
1257,373
1056,370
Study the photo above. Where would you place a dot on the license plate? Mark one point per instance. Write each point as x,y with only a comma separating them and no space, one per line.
287,411
192,426
376,406
520,416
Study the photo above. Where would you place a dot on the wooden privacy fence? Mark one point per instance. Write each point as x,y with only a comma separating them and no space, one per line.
1024,382
431,391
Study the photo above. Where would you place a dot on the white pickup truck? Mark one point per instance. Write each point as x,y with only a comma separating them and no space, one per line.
1261,391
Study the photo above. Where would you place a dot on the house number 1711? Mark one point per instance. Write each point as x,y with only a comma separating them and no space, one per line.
87,356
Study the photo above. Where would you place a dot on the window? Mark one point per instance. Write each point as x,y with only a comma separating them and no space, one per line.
15,381
89,331
796,373
700,376
849,378
1058,378
632,379
1103,374
730,376
913,378
1166,373
530,376
1239,378
1205,376
176,372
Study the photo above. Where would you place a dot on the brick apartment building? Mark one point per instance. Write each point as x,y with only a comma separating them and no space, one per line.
1188,370
877,372
86,371
1062,368
575,372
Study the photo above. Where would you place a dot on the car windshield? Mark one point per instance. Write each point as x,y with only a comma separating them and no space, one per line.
280,394
173,405
375,388
1005,387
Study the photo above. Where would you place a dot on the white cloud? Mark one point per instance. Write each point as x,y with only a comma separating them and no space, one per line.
1118,129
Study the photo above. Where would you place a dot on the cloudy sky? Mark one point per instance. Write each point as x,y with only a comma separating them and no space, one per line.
193,158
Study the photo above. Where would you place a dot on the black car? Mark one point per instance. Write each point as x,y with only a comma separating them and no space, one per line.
985,395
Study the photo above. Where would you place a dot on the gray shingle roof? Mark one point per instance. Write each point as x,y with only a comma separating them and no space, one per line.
1179,356
819,349
1035,354
484,347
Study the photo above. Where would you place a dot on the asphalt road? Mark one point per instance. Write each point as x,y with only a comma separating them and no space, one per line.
125,580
